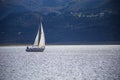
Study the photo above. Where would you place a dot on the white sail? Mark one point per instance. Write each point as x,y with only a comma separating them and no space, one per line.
42,39
37,39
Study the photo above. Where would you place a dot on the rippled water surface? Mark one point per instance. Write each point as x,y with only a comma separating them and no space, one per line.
60,62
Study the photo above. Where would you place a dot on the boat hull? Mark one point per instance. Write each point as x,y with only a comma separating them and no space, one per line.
35,49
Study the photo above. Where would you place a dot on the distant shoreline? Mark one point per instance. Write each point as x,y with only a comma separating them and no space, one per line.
62,44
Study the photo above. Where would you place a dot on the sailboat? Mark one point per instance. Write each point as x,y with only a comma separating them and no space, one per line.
39,43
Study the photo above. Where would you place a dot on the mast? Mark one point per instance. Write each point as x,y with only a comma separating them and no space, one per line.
42,38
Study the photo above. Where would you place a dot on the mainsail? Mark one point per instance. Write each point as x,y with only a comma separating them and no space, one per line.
37,38
42,39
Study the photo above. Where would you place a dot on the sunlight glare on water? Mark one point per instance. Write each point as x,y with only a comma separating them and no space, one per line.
61,62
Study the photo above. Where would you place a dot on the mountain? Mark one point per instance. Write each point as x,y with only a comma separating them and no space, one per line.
64,21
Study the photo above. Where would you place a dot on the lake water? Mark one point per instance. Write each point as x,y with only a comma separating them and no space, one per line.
60,62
